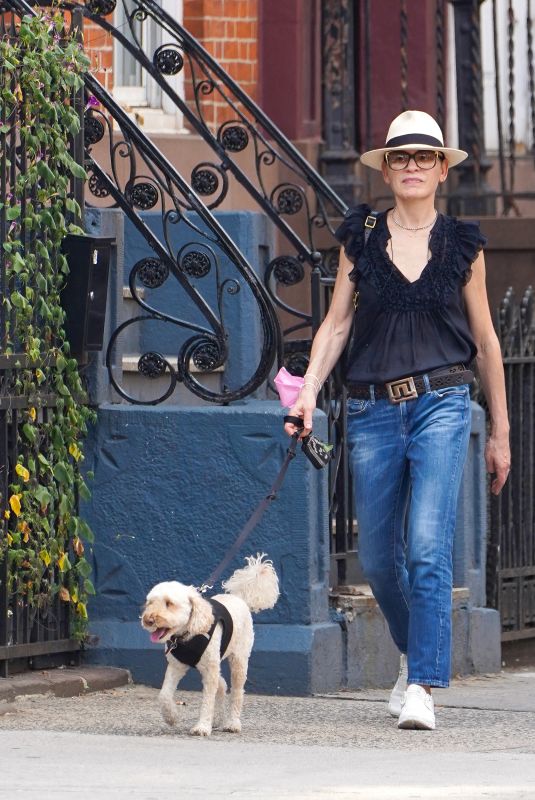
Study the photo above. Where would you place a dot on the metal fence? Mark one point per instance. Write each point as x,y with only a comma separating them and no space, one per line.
34,622
511,536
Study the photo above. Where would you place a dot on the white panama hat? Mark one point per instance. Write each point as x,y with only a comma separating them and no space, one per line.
413,130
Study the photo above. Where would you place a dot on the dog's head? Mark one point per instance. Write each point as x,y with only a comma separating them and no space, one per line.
171,608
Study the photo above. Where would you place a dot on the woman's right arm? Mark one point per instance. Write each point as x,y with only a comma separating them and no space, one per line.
328,345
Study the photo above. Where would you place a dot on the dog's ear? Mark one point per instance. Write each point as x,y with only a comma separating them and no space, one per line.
202,615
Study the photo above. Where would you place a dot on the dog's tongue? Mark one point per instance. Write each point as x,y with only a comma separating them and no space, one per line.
157,634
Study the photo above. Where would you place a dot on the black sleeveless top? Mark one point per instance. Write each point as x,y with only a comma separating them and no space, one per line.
403,328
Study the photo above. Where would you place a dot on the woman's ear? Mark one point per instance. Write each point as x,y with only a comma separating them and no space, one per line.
444,169
202,616
384,170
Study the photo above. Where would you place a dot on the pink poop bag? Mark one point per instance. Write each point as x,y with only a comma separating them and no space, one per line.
288,387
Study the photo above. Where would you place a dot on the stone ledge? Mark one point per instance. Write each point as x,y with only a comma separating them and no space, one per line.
67,682
355,598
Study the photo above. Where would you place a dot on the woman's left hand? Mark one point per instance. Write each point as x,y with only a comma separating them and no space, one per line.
498,460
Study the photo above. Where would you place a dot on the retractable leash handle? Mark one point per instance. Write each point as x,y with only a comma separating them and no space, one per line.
297,421
318,453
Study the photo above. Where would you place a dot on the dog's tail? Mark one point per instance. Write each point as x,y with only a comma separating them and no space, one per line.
257,583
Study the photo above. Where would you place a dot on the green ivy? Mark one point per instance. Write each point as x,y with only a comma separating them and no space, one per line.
44,539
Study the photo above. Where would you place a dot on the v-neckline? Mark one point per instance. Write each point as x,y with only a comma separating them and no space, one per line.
394,266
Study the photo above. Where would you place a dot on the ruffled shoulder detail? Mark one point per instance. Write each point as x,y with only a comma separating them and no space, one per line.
469,242
350,233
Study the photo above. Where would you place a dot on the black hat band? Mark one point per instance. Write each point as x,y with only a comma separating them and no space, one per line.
414,138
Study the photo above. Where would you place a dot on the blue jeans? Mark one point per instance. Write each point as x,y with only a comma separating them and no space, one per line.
407,462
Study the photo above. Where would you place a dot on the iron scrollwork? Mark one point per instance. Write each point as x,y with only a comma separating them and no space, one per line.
247,128
159,187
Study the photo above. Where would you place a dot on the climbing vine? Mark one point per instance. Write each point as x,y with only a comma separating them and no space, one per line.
43,539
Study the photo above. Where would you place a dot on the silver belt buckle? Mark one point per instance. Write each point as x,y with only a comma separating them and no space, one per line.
402,389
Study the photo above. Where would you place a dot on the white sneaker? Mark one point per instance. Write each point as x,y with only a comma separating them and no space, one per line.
396,695
417,709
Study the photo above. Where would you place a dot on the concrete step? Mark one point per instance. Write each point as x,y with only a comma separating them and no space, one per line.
62,682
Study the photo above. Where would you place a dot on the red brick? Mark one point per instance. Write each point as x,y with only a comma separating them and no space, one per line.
233,50
245,30
193,8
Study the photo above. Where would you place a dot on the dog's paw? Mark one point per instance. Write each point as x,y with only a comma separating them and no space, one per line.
201,730
232,726
169,714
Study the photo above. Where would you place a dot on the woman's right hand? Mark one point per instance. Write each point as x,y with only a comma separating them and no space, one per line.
303,408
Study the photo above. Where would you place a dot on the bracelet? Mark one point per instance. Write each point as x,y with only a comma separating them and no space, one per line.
312,380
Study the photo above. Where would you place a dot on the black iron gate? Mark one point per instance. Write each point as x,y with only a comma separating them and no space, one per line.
511,537
36,616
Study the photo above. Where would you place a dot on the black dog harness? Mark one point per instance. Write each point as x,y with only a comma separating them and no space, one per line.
191,650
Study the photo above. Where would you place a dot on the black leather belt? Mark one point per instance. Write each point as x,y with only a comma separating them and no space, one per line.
410,387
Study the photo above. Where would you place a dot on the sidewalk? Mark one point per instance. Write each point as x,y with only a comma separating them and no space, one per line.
332,747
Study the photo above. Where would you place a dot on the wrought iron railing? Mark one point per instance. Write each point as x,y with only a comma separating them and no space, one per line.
302,206
138,178
511,537
152,182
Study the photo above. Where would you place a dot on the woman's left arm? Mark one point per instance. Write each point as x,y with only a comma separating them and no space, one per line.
490,368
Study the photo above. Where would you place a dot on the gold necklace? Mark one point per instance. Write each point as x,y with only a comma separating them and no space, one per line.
406,227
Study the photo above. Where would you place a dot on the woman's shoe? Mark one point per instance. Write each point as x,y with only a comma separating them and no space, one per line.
396,695
417,710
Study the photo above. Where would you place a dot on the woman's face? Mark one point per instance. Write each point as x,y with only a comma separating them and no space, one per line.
414,183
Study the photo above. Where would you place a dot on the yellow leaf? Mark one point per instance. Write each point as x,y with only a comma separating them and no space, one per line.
74,595
45,557
61,561
75,451
23,472
82,610
14,502
7,513
32,413
18,93
40,376
24,528
64,594
9,539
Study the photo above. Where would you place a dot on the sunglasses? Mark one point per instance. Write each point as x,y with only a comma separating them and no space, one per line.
424,159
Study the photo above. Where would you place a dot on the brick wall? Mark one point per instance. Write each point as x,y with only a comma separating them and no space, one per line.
228,29
99,47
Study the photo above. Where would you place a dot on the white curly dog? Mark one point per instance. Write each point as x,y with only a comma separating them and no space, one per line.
200,632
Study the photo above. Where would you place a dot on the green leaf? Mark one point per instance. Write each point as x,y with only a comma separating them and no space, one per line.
45,172
72,205
88,586
85,494
76,229
62,473
42,495
64,506
30,432
57,438
83,567
85,532
13,212
78,171
18,300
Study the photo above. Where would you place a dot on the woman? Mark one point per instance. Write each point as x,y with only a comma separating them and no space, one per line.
422,317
